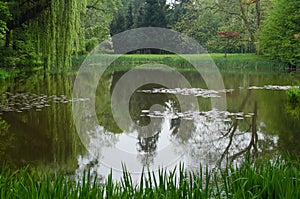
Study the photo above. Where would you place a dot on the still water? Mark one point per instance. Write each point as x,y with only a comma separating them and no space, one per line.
37,126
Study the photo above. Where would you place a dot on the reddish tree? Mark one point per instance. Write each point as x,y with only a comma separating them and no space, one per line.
248,3
228,35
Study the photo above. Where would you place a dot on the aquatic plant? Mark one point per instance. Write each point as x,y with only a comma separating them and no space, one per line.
293,105
294,95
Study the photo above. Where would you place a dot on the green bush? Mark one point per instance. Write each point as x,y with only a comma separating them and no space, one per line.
278,38
293,105
294,95
16,58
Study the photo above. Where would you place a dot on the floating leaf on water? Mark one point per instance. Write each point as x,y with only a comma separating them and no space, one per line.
189,118
199,92
239,114
272,87
227,120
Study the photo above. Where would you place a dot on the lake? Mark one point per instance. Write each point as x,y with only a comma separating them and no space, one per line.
37,125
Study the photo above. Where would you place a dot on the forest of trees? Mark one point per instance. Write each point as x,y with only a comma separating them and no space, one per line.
51,32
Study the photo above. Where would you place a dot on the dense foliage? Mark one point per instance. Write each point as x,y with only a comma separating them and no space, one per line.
41,30
199,19
51,32
4,18
294,95
280,37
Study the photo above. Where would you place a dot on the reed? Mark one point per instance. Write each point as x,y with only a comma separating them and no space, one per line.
232,61
267,179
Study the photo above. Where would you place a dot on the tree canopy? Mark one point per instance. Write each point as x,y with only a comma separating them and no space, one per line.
51,32
280,36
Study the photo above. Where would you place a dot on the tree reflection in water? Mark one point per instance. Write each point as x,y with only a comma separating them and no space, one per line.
146,147
46,137
212,138
216,143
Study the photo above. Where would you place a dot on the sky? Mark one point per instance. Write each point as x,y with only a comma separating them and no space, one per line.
170,1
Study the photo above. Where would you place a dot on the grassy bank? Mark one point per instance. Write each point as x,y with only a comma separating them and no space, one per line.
278,179
232,61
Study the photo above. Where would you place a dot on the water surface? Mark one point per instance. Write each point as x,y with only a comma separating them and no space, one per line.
37,127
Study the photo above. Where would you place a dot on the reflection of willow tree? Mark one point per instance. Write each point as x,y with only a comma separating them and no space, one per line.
103,103
6,140
47,138
65,141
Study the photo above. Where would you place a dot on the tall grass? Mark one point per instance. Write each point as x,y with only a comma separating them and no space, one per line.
268,179
232,61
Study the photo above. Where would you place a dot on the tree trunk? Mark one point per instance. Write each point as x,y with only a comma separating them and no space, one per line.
247,24
7,38
227,43
258,14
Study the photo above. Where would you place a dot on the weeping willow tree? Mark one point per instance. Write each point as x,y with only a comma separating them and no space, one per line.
52,30
59,33
51,27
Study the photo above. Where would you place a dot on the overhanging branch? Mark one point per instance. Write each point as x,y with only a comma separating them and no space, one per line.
30,14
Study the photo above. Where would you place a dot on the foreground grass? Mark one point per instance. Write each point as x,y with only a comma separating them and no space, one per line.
279,179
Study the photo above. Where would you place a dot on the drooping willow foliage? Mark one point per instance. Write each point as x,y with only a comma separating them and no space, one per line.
59,32
50,31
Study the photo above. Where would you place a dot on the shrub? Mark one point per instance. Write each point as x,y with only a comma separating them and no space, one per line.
294,95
